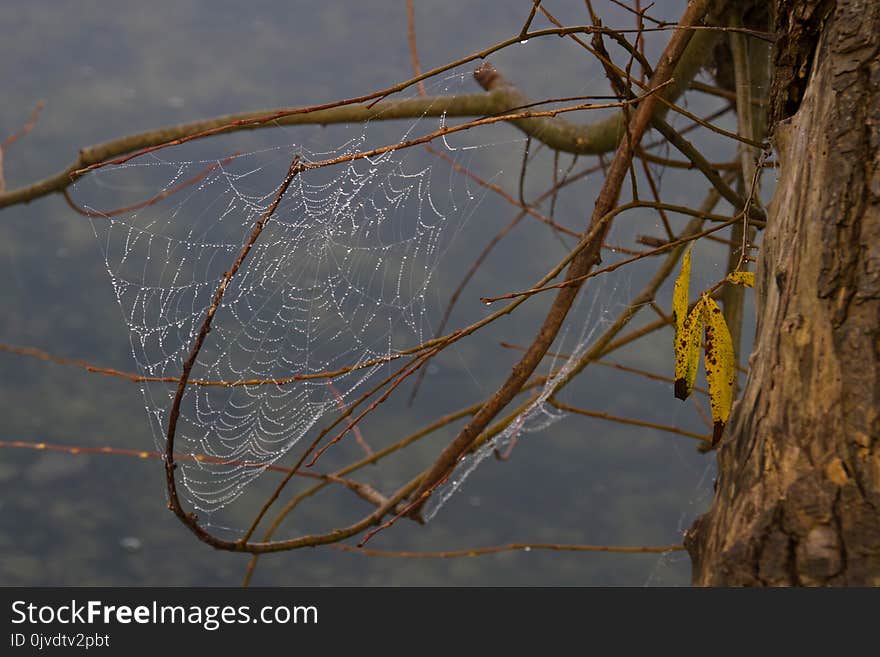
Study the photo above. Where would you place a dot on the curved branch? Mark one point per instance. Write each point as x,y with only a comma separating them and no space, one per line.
589,139
478,104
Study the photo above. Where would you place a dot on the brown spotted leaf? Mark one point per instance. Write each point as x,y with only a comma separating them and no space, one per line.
720,365
746,278
687,351
680,290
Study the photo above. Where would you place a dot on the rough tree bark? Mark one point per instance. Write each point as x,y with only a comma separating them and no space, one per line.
798,494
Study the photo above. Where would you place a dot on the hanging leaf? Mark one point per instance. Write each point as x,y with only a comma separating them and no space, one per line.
720,365
687,331
746,278
687,351
680,291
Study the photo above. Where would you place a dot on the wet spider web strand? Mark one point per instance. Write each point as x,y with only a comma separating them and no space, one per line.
338,279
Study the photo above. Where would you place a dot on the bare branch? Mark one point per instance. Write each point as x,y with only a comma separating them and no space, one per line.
580,266
511,547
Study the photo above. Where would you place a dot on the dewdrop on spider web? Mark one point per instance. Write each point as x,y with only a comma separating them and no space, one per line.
538,415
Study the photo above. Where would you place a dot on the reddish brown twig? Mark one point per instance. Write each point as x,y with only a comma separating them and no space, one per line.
693,126
625,420
364,491
401,444
580,266
714,128
142,454
702,413
174,413
659,311
604,270
413,47
152,201
15,136
656,194
358,436
411,509
528,209
40,354
29,125
640,12
314,444
525,28
408,371
511,547
617,366
372,98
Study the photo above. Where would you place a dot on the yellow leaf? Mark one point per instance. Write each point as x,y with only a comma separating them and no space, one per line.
746,278
680,291
688,329
687,351
720,365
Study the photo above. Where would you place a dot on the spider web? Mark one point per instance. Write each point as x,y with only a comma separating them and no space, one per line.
592,313
337,281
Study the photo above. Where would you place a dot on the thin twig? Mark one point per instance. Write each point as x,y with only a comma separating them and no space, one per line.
123,149
511,547
656,194
189,519
528,209
401,444
625,420
364,491
580,266
40,354
358,436
407,372
525,28
522,172
174,189
604,270
714,128
15,136
617,366
413,47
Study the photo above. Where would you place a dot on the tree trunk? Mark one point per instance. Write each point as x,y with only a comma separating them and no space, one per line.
798,493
